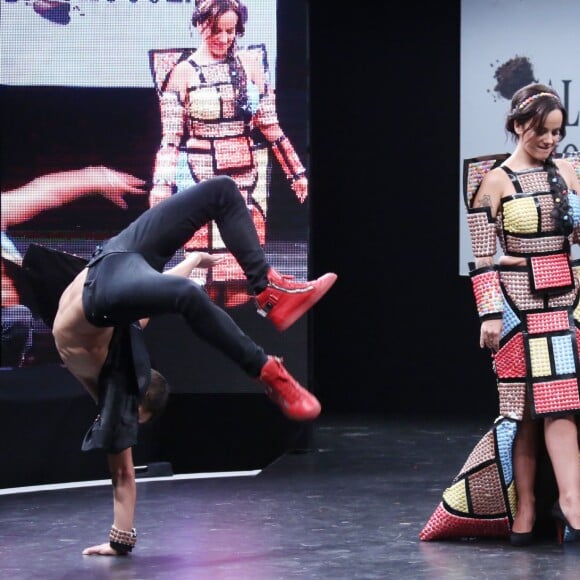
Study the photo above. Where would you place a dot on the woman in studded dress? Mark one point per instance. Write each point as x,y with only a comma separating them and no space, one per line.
528,304
218,117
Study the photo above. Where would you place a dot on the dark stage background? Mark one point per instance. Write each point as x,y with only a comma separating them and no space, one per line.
399,333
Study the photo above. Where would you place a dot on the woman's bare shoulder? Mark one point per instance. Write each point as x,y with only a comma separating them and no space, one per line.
181,76
568,171
492,188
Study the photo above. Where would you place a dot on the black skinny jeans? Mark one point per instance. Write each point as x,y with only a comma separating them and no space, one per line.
125,281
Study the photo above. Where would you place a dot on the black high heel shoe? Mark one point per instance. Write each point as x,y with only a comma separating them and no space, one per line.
521,539
566,533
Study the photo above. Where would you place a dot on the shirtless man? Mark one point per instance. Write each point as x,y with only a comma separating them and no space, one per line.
84,349
124,283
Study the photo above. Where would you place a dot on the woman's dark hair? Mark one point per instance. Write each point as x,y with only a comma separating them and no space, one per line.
208,11
562,212
533,103
155,399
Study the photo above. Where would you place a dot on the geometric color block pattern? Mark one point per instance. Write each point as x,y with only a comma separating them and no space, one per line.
552,378
521,215
481,499
474,171
445,525
539,322
545,358
510,319
505,432
510,360
512,399
555,396
537,366
563,351
551,271
540,357
482,231
487,292
575,207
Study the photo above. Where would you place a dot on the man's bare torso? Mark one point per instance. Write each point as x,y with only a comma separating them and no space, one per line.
82,346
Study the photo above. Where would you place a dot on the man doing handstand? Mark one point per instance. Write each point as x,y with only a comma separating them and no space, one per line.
96,327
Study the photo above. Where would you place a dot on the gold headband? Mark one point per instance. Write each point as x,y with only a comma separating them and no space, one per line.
205,4
531,99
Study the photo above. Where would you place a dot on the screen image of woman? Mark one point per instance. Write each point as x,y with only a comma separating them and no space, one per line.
218,117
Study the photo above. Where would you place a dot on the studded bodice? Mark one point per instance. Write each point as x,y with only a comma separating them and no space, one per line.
221,102
526,222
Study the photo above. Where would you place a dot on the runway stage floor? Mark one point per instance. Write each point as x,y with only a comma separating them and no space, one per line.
350,507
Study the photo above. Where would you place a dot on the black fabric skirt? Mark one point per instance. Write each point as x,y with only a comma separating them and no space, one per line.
47,273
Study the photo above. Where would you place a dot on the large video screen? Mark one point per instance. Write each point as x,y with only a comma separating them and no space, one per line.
500,53
87,88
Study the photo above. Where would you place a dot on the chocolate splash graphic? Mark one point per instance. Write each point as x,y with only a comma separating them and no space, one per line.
513,75
57,11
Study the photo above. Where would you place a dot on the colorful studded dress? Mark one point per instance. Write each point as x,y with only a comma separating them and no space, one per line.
538,362
217,130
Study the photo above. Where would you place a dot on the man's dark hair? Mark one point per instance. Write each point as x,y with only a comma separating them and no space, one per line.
155,399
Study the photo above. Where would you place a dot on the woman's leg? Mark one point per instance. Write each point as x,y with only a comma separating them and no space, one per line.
561,434
524,461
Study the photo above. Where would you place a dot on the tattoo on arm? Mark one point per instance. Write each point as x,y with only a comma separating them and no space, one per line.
483,201
484,262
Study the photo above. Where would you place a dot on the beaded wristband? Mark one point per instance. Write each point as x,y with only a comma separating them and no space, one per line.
288,158
296,177
121,540
487,291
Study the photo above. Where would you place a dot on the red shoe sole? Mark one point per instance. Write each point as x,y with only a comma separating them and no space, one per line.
301,414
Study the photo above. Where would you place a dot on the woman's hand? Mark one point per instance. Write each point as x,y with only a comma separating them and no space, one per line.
490,334
300,188
158,193
116,183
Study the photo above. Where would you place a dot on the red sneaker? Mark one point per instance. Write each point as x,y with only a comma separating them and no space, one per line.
285,301
294,400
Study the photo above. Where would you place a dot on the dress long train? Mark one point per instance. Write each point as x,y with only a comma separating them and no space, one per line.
481,500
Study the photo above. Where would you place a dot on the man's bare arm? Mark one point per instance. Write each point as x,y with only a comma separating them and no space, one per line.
124,498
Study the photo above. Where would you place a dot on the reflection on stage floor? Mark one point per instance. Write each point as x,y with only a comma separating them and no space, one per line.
348,505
